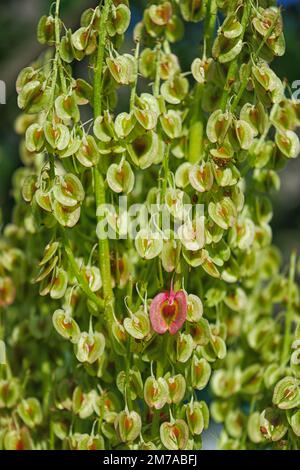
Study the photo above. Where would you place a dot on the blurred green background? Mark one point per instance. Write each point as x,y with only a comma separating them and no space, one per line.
18,47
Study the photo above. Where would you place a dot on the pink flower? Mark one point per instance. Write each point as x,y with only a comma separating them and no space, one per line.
168,311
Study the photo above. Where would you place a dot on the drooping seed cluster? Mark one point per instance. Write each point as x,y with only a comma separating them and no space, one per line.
147,321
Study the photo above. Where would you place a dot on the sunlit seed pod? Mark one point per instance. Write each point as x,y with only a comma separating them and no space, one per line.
256,116
89,347
33,97
272,424
161,14
265,19
175,89
171,123
193,11
295,423
119,20
43,199
132,384
195,418
242,234
176,201
231,27
288,143
30,411
66,326
68,190
148,244
128,425
177,388
169,66
184,347
201,177
18,440
226,176
66,107
83,91
137,325
182,175
93,277
218,126
286,394
120,177
122,68
46,30
200,372
146,117
91,442
88,153
156,392
71,149
169,255
29,188
226,50
194,308
67,216
124,125
225,383
59,284
57,135
10,391
34,138
174,435
82,403
253,428
223,213
244,134
174,29
144,149
192,234
84,40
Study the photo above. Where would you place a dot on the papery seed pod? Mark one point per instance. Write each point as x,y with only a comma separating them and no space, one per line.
218,126
124,125
193,11
169,255
88,153
148,244
200,372
83,92
89,347
144,149
156,392
253,428
169,68
175,89
242,234
128,425
66,326
174,29
133,384
175,201
287,393
10,391
43,199
119,20
66,107
236,299
171,123
200,332
168,312
192,235
194,308
225,383
244,134
91,442
92,275
7,291
226,176
251,379
174,435
57,135
120,336
200,69
120,178
195,412
84,40
272,425
256,116
34,138
223,213
231,27
177,388
46,30
147,111
226,50
288,143
122,68
295,423
68,190
182,175
18,440
34,97
201,177
147,63
138,324
30,412
59,284
184,347
235,422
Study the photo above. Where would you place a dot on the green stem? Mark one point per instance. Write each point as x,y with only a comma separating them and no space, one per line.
210,24
234,66
157,75
99,188
133,89
289,313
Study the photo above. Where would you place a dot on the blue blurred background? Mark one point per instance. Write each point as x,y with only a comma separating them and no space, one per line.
18,47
